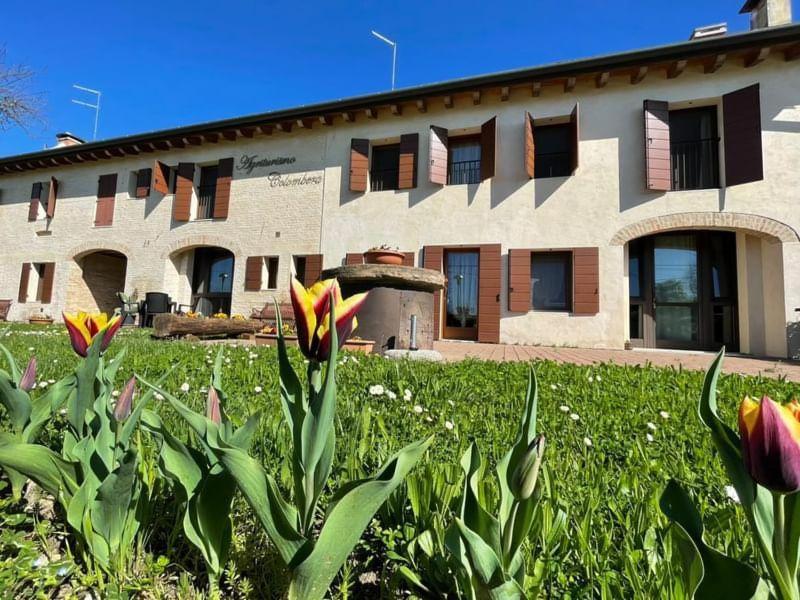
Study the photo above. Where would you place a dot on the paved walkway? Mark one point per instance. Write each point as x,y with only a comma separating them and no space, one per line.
587,356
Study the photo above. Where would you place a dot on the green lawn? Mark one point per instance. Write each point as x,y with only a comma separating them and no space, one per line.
601,470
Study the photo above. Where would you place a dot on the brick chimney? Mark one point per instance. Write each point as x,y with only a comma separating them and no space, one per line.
67,139
768,13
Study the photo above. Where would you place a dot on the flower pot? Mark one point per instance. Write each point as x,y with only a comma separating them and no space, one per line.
40,320
383,257
271,339
364,346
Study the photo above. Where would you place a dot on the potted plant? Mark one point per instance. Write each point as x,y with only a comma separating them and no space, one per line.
383,255
40,318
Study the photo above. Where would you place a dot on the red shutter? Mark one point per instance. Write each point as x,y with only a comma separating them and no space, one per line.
222,197
530,146
586,277
489,294
106,194
51,198
143,178
488,149
33,207
24,279
658,170
741,119
313,269
160,177
182,203
409,150
432,257
409,258
47,283
576,137
519,280
437,155
252,273
359,164
354,258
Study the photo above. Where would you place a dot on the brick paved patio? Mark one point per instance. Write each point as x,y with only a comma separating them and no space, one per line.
586,356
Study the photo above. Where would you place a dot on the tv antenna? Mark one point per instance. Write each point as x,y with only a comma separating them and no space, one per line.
394,52
95,106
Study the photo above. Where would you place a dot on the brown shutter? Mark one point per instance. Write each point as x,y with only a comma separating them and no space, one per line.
586,276
576,137
359,164
51,198
47,283
160,177
409,150
658,170
409,258
24,279
354,258
143,178
33,207
252,273
489,294
530,146
437,155
182,203
741,121
222,197
313,269
106,195
519,280
488,148
432,257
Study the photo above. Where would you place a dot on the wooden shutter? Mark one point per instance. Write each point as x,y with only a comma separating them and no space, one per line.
530,146
575,136
432,257
488,148
52,195
354,258
586,277
741,121
359,164
658,169
409,258
519,280
252,273
182,203
223,194
489,294
24,279
409,150
106,195
47,283
160,177
33,207
437,154
143,178
313,269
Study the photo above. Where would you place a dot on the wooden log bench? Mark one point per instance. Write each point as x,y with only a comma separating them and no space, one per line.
169,325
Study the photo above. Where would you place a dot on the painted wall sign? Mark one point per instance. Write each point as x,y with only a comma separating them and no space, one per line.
281,180
248,162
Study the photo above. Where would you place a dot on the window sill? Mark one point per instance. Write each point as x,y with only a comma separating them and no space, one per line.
102,226
210,219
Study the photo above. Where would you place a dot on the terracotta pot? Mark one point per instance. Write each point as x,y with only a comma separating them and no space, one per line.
271,339
383,257
364,346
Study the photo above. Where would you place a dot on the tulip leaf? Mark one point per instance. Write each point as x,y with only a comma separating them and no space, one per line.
16,402
482,558
473,513
43,407
113,501
709,574
44,467
83,399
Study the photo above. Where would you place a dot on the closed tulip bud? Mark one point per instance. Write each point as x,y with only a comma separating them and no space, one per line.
213,410
122,409
523,480
771,443
28,380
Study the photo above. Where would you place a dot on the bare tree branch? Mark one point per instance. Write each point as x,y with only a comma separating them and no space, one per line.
19,106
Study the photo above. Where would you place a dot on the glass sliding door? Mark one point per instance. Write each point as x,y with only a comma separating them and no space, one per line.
461,294
212,280
675,297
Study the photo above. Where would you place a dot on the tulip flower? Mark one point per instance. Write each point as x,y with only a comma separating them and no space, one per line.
213,410
312,316
83,328
122,409
28,380
771,443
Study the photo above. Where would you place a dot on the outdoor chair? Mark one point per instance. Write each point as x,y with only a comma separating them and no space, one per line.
129,309
5,306
155,303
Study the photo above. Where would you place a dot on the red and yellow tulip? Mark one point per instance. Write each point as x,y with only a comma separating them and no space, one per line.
771,443
83,328
312,316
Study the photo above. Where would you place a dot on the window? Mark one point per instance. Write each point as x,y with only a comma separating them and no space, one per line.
300,268
206,192
385,168
551,280
36,282
464,160
694,148
271,264
553,151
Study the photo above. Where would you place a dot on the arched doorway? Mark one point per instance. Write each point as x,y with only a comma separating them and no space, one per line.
95,280
203,279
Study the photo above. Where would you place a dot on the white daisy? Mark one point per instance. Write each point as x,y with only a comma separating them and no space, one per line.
185,387
159,396
391,395
591,379
564,408
731,493
449,425
429,419
418,409
664,414
553,386
407,394
575,417
115,393
649,437
587,442
258,389
651,426
376,390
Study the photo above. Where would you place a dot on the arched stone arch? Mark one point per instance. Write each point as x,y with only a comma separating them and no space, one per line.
90,247
195,241
770,229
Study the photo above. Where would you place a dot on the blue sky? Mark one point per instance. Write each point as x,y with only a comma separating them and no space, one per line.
166,63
